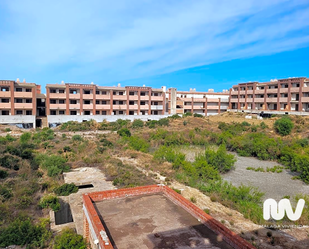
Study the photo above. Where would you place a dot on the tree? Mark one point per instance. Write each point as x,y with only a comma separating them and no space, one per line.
68,239
283,126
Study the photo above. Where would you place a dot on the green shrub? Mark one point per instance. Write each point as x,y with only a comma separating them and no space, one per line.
263,125
23,232
7,130
137,123
139,144
283,126
151,124
187,114
5,193
67,149
50,201
66,189
124,132
196,115
163,122
3,174
193,199
69,239
245,123
54,164
25,137
175,116
184,122
77,138
10,162
106,143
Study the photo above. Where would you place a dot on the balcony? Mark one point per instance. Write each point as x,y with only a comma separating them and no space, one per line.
249,91
242,100
5,105
305,99
23,94
74,96
144,97
196,107
133,107
120,107
187,107
103,107
259,100
305,89
132,97
242,92
249,100
272,90
5,94
74,106
87,96
214,100
103,97
259,91
159,98
57,95
294,89
157,107
144,107
57,106
212,107
87,106
272,100
284,90
285,100
23,105
120,97
234,100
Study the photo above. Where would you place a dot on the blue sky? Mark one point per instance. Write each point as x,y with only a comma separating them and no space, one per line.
177,43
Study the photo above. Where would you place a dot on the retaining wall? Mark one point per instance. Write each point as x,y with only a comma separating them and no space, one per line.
17,119
93,228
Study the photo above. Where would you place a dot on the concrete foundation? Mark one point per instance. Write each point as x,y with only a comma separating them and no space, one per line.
17,119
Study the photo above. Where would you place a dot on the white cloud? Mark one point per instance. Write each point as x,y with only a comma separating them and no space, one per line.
127,39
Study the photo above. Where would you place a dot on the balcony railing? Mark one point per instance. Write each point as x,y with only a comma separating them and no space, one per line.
157,107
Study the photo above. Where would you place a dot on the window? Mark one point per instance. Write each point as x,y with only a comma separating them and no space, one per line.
52,91
87,102
120,102
104,93
19,90
87,113
131,93
61,91
97,112
28,100
131,112
97,92
28,90
61,112
120,93
131,102
28,112
5,113
114,102
104,102
103,112
73,91
73,112
19,112
5,100
143,93
53,112
97,102
156,94
86,92
143,103
18,100
120,112
5,89
73,102
61,101
53,101
114,93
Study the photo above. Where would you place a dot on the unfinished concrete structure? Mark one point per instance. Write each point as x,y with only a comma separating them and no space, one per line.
152,217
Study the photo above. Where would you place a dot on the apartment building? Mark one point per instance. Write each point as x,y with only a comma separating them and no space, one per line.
277,96
205,103
18,101
90,99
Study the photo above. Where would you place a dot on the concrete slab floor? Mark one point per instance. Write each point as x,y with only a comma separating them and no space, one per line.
83,176
154,221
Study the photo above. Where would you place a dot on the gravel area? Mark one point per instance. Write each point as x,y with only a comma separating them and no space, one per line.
274,185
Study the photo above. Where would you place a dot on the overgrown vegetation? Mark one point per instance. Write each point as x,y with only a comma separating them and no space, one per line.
69,239
66,189
283,126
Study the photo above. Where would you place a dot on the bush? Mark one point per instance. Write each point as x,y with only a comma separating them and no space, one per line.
187,114
139,144
68,239
24,232
124,132
185,123
137,123
25,137
54,164
77,138
7,130
50,201
175,116
283,126
3,174
67,149
196,115
152,123
163,122
66,189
